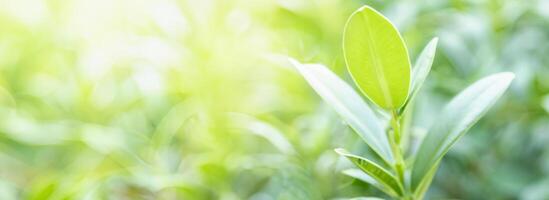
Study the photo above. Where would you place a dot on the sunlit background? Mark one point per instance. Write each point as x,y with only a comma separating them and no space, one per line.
194,99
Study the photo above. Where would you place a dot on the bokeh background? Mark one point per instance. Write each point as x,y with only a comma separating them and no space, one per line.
194,99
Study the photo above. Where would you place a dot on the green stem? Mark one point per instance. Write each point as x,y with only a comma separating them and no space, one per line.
395,123
394,140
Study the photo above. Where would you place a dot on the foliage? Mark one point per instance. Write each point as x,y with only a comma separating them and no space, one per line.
186,99
378,61
377,58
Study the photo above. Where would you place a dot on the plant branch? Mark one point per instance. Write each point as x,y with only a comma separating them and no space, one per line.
394,140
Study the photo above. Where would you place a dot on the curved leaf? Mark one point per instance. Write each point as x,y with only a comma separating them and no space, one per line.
362,176
421,69
377,58
349,105
375,171
457,117
262,129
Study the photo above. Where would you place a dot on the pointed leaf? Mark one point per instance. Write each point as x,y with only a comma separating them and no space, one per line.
457,117
377,58
349,105
360,175
381,175
421,69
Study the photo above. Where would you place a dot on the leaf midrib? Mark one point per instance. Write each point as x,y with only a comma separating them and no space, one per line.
377,65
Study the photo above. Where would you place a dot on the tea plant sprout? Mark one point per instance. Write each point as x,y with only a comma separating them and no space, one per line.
378,62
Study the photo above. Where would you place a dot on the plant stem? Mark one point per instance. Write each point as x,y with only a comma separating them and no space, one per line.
394,140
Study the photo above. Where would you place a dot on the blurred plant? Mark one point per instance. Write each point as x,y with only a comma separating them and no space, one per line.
125,99
378,62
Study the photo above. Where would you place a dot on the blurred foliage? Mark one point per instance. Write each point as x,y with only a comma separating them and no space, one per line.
194,99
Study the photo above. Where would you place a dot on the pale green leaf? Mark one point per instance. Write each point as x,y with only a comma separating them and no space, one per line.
421,69
366,198
456,118
377,58
262,129
381,175
349,105
362,176
360,198
423,186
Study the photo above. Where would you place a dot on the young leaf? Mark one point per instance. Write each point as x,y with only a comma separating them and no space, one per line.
377,58
375,171
421,69
360,175
349,105
457,117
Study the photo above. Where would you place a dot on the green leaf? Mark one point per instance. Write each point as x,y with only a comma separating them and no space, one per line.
360,198
423,186
421,69
381,175
377,58
349,105
456,118
362,176
366,198
262,129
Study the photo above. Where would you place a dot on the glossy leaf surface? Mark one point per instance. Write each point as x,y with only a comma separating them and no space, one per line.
377,58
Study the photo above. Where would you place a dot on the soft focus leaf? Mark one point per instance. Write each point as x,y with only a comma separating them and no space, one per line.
545,103
366,198
422,67
377,58
262,129
375,171
457,117
360,198
349,105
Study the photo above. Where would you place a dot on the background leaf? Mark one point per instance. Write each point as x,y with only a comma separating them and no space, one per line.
349,105
365,198
377,58
457,117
